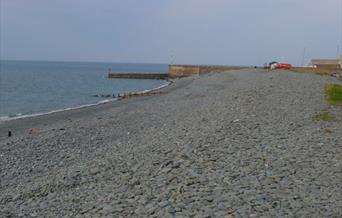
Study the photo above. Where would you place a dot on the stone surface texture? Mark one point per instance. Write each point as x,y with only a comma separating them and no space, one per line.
234,144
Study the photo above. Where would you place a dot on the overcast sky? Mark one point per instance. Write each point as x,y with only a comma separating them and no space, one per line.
243,32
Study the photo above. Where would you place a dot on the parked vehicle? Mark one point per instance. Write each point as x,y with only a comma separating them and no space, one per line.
276,65
272,65
283,66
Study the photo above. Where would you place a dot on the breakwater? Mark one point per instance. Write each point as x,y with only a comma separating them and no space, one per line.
159,76
191,70
177,71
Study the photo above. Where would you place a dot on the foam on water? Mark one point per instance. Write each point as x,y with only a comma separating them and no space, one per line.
20,116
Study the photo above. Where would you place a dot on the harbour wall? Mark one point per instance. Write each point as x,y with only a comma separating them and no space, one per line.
191,70
176,71
159,76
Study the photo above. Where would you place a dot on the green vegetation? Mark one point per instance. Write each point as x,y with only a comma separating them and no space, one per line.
326,116
333,94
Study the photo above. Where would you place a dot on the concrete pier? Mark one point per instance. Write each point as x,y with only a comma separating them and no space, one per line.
176,71
159,76
191,70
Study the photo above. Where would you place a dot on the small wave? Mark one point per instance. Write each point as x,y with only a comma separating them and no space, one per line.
21,116
106,101
151,90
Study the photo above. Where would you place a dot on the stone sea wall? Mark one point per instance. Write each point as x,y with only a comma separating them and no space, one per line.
183,70
176,71
191,70
138,76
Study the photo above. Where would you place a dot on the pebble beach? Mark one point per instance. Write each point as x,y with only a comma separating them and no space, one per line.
237,144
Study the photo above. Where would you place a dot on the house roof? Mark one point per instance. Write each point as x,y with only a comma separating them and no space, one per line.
325,61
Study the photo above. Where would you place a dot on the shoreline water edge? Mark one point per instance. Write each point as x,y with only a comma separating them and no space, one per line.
4,119
31,88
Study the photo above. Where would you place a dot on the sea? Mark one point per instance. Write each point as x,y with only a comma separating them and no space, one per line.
32,88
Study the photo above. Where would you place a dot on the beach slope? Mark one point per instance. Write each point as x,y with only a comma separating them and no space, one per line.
237,144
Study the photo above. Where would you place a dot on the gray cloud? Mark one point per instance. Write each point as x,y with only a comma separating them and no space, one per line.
194,31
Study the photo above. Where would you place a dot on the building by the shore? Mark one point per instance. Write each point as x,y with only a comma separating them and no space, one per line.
327,63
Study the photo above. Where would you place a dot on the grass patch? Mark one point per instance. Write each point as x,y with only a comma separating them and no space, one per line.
326,116
333,94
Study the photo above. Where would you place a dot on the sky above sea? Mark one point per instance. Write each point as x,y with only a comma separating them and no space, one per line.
238,32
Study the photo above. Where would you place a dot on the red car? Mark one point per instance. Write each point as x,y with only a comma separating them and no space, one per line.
282,66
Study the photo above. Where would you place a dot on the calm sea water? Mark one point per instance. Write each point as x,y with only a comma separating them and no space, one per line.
33,87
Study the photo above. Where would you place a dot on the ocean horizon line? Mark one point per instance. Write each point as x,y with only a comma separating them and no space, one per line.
93,62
